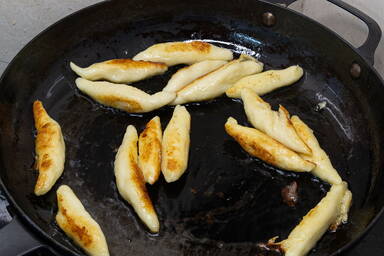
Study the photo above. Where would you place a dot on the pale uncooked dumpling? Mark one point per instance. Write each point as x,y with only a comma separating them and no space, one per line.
267,149
130,181
150,150
49,148
218,81
78,224
312,227
324,169
124,97
188,74
173,53
175,147
273,123
120,70
267,81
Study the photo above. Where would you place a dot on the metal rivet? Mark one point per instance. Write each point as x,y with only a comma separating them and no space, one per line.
268,19
355,70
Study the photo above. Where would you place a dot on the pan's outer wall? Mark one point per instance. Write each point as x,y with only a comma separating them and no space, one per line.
29,68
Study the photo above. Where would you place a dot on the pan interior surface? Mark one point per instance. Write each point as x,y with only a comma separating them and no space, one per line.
226,202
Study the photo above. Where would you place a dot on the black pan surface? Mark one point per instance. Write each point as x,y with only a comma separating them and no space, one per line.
226,202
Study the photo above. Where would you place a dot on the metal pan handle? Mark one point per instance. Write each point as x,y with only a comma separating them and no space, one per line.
285,2
17,240
368,49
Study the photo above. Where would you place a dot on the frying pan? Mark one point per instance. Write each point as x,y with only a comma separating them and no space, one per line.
227,202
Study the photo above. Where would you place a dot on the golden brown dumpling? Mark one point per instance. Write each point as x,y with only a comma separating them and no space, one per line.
175,148
267,149
173,53
218,81
275,124
120,70
312,227
124,97
188,74
324,169
265,82
150,150
78,224
130,181
50,149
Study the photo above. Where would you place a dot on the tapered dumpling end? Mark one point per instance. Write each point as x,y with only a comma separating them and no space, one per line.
124,97
173,53
78,70
78,224
130,182
175,146
324,169
275,124
231,121
260,145
150,150
49,148
267,81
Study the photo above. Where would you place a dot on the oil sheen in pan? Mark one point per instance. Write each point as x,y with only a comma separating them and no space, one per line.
226,200
237,48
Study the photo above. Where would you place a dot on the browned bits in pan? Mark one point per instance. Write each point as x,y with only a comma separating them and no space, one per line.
290,194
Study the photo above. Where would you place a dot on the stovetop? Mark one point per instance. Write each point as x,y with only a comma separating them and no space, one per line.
371,245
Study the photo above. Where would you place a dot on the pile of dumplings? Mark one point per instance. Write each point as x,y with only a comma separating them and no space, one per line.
289,144
276,138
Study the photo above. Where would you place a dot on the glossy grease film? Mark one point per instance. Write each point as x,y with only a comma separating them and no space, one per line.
226,202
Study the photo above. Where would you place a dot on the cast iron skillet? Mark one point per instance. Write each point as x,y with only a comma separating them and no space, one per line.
227,202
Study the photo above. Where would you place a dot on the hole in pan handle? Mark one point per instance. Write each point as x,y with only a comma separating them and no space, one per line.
368,49
16,239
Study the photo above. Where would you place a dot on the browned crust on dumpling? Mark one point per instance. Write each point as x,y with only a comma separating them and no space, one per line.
173,163
266,148
290,124
138,179
150,150
286,113
39,114
195,46
128,64
302,131
253,147
114,101
48,132
175,145
154,144
44,141
81,232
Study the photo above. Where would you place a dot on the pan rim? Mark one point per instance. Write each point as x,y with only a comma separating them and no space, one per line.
51,241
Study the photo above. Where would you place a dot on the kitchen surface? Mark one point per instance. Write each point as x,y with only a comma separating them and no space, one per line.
22,20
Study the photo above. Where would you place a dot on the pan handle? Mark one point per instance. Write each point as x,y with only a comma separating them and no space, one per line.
17,240
285,2
368,49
